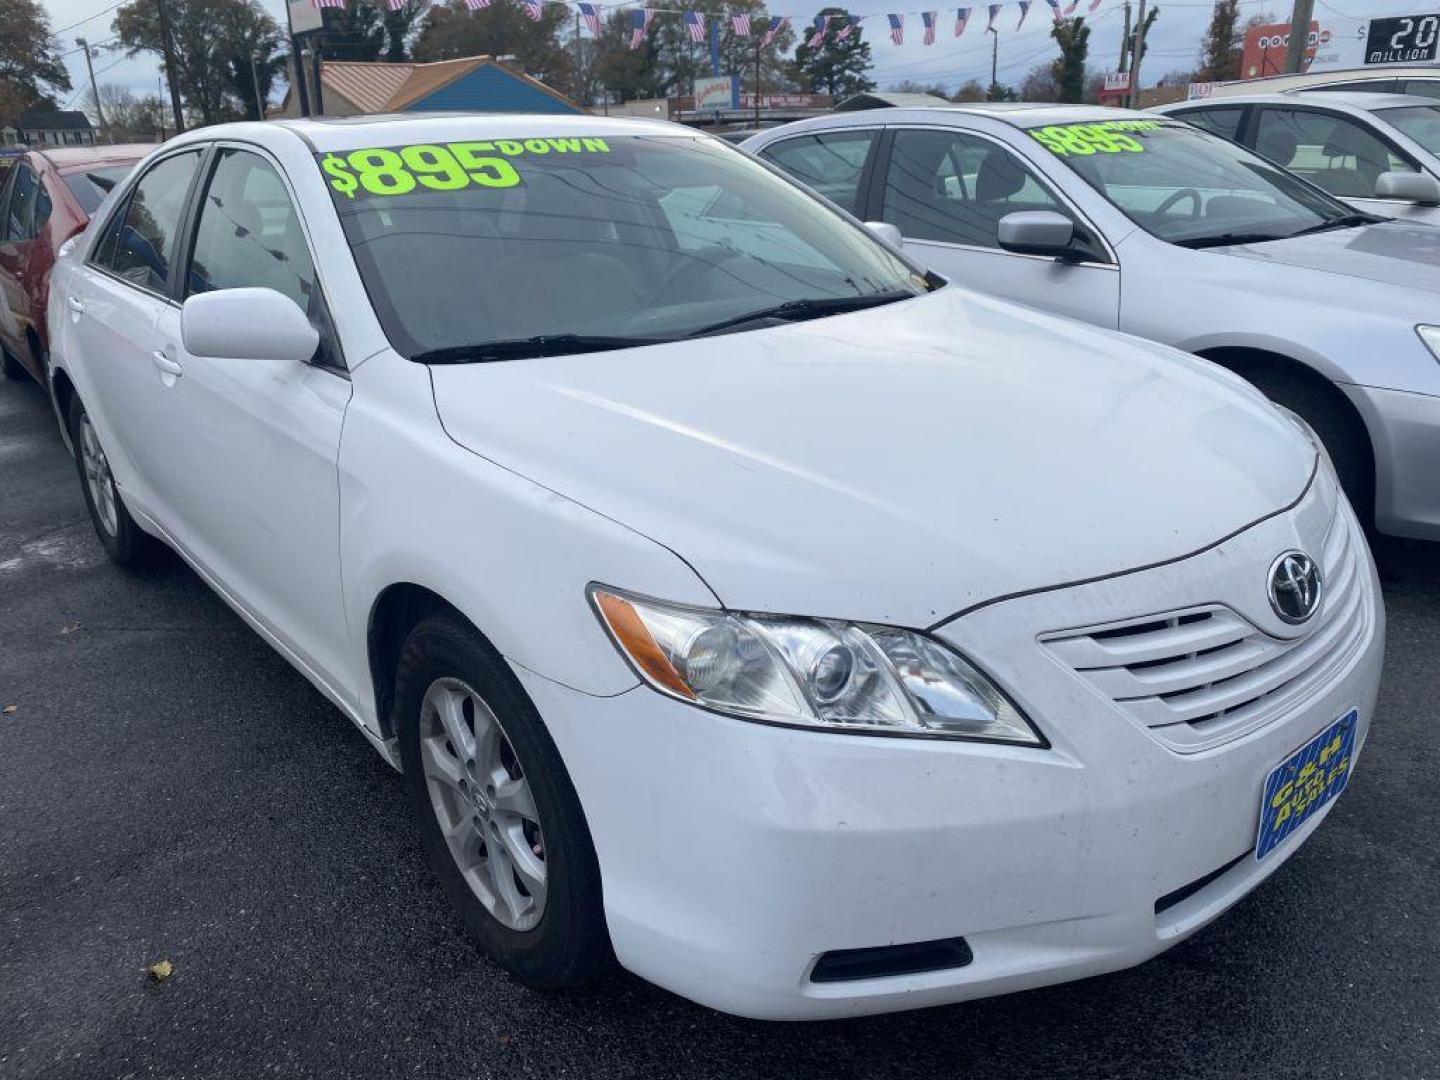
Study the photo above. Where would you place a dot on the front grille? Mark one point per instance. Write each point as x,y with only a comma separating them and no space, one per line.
1203,675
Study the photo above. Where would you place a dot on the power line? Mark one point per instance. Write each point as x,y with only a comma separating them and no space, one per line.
88,18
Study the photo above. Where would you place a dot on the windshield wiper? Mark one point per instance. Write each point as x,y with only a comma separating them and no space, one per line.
523,348
1345,221
798,310
1225,239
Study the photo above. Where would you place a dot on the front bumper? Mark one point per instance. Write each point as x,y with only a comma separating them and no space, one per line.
733,855
1405,431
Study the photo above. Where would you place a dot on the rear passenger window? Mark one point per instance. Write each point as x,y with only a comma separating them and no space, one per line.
139,241
1222,122
22,205
249,233
831,163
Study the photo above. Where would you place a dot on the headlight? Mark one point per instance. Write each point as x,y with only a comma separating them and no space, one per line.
810,672
1430,335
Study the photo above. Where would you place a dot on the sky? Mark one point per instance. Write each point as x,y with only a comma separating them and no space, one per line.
1174,39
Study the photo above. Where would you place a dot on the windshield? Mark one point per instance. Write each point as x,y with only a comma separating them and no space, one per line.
1188,186
91,187
593,243
1420,122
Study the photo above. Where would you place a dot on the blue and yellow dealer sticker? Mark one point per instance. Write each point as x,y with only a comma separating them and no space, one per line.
1307,780
385,171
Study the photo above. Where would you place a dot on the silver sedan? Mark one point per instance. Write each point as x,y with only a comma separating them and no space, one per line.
1145,224
1377,152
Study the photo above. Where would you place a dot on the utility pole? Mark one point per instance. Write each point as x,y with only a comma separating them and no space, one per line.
160,105
319,94
1124,64
1137,56
255,82
99,112
1300,17
297,65
757,81
168,48
994,61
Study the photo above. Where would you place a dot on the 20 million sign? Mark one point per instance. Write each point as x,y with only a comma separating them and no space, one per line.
1404,39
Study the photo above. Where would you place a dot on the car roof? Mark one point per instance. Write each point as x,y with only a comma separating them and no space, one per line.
397,129
1366,101
1016,114
68,159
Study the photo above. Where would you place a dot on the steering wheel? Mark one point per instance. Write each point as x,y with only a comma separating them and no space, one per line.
697,266
1175,196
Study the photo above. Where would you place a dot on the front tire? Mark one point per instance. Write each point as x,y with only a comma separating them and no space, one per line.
123,540
498,816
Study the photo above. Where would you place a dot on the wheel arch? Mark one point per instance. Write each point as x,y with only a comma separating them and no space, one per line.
397,610
62,392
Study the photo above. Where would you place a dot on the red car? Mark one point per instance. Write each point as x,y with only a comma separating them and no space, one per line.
47,196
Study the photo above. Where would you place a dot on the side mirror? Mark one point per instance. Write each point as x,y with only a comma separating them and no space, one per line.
247,324
1037,232
886,232
1410,186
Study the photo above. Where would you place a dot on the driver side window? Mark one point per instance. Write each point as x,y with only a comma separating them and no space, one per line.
1333,152
955,188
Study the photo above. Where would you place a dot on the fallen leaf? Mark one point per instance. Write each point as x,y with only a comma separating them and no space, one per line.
160,971
9,709
505,1040
69,628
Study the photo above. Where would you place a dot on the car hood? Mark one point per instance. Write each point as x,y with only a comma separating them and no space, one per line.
898,464
1390,252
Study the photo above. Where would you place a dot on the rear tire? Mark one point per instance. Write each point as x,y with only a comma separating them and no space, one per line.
1325,409
13,369
124,541
485,780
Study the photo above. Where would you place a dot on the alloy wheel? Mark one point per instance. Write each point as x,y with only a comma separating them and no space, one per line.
98,478
483,803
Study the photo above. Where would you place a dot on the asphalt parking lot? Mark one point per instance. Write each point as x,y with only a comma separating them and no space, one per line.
171,790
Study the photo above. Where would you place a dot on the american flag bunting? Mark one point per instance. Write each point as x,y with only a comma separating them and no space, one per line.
962,16
535,9
695,25
994,10
590,13
929,19
777,23
897,28
640,20
852,23
740,25
477,5
1024,10
817,35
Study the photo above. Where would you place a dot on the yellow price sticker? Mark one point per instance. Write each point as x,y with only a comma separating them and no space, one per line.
1102,137
400,170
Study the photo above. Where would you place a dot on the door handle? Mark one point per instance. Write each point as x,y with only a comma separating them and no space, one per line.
75,304
165,364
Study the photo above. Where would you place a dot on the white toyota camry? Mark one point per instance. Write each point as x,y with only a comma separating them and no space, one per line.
814,636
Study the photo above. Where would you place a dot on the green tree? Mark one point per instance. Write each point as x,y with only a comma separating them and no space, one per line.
838,68
1220,48
31,71
451,30
1073,37
250,43
626,73
998,91
210,39
354,32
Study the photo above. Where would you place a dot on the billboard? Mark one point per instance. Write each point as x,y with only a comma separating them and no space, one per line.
1264,50
1402,40
722,92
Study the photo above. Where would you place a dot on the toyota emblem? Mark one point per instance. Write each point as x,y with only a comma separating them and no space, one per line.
1295,587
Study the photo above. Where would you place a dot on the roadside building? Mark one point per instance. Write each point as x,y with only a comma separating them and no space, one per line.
47,127
469,84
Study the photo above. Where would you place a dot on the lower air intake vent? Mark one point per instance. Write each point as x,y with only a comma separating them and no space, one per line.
845,965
